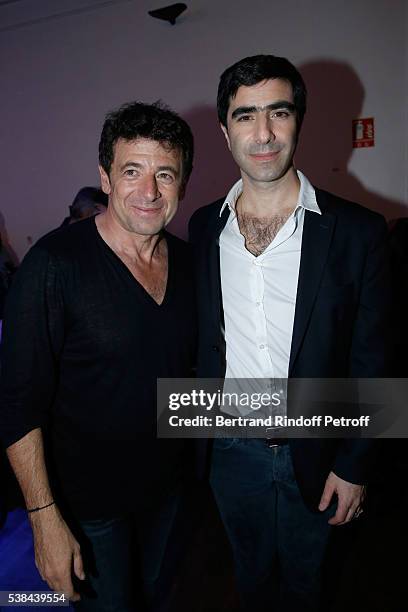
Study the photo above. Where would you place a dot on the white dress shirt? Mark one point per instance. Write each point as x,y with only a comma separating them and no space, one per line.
259,293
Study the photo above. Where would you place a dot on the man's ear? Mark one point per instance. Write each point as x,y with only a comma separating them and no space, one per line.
105,182
225,132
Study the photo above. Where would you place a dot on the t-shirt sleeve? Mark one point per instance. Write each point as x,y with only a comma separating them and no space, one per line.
32,339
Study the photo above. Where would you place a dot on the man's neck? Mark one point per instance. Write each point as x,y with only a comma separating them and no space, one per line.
269,199
135,247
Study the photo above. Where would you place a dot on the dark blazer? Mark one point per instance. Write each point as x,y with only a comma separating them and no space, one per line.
399,274
341,319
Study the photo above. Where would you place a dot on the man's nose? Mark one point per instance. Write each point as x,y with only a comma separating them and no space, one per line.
150,188
264,129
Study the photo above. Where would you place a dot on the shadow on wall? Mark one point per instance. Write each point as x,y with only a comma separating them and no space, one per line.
335,98
214,169
5,244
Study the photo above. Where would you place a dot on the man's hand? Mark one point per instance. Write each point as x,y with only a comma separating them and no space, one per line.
350,497
57,553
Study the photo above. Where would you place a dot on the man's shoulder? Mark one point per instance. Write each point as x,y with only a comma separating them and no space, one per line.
208,211
202,216
355,215
61,249
69,240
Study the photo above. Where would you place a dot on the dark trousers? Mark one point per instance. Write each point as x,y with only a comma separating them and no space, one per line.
123,557
278,544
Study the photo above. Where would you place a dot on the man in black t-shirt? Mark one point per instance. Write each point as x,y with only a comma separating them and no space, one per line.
97,312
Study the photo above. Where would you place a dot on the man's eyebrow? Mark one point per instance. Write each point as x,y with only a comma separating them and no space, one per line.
244,110
130,164
168,169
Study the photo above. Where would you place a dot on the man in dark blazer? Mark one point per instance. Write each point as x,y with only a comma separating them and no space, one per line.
291,284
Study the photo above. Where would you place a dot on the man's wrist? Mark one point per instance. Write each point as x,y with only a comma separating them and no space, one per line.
38,508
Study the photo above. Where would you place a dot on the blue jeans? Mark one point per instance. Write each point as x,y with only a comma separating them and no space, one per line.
278,544
122,558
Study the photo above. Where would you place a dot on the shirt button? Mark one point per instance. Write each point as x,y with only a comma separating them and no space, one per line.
262,346
258,303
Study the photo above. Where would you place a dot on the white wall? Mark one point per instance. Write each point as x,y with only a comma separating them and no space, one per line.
59,75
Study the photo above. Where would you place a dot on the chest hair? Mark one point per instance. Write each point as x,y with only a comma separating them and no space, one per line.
259,232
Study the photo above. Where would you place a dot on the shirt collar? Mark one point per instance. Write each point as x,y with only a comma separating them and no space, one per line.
306,199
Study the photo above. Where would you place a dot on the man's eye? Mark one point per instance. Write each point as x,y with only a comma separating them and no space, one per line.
244,118
281,114
165,176
130,172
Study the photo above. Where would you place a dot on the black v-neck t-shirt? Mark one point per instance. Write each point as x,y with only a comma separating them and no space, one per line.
83,346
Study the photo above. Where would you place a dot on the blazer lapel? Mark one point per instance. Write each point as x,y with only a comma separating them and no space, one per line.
317,235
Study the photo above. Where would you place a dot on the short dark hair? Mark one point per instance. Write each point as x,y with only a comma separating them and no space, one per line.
153,121
252,70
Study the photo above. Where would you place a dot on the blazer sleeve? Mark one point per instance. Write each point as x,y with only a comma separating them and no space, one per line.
370,350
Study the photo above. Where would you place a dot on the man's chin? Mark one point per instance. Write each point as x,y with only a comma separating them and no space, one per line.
271,175
145,227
